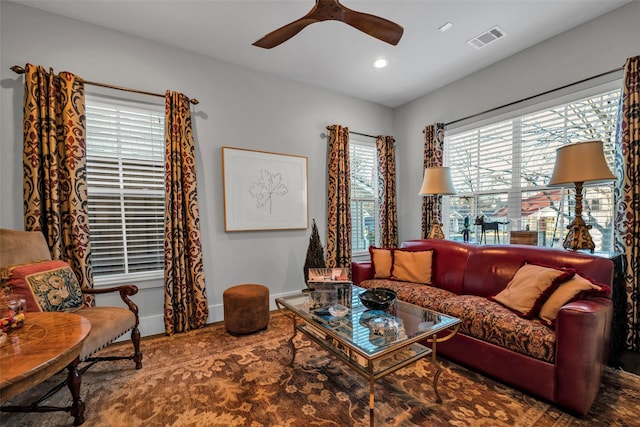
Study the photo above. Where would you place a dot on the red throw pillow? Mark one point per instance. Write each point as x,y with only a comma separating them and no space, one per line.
46,286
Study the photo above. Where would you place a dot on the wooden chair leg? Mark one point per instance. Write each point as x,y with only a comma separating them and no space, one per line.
137,354
73,381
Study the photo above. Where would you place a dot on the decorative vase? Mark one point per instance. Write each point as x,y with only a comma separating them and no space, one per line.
315,253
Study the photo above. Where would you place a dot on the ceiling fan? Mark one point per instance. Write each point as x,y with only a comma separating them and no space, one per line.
333,10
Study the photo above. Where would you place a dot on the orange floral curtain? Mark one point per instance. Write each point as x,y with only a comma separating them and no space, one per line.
385,148
627,194
433,156
338,198
54,167
185,298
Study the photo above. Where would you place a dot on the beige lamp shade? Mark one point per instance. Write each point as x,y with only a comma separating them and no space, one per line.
580,162
437,180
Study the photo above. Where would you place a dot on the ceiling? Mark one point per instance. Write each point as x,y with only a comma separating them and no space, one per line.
333,55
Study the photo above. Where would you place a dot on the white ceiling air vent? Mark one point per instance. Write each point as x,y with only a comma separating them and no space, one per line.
487,37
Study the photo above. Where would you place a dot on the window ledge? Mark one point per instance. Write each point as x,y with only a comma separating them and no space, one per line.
141,280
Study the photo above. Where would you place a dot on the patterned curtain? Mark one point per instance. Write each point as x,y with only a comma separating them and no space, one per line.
385,148
338,198
627,194
54,167
185,299
433,156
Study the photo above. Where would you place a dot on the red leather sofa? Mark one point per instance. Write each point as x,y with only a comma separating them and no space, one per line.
571,375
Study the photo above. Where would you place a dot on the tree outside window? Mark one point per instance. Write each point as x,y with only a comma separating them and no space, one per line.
501,171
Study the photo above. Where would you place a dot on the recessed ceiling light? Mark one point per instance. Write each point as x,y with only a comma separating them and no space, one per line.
445,27
380,63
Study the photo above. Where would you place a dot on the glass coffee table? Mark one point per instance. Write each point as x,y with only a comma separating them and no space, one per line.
374,343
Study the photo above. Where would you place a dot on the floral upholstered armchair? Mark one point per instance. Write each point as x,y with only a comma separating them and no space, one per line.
27,269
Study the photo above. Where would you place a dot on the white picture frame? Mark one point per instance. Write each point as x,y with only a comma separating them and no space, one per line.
264,190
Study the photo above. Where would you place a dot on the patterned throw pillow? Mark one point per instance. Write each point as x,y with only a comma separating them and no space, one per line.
47,285
530,287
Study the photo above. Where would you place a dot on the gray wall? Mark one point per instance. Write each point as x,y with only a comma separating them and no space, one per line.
238,107
597,46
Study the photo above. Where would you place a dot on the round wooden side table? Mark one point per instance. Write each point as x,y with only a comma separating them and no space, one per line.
47,343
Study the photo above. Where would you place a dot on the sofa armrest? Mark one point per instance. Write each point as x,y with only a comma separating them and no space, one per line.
125,292
360,271
583,332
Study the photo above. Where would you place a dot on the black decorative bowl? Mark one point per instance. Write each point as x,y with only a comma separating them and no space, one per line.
378,298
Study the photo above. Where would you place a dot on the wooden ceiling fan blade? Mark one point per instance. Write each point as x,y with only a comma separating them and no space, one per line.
375,26
326,10
284,33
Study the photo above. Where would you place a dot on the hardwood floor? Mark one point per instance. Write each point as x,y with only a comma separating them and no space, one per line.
630,361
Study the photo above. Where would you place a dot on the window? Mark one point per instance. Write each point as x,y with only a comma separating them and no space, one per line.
364,195
125,175
500,170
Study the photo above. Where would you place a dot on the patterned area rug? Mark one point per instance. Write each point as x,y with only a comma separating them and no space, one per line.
210,378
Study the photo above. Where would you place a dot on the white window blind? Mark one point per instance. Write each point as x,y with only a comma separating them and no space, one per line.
364,205
501,171
125,175
482,159
592,118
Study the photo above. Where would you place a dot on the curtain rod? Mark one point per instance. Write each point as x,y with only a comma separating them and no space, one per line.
357,133
363,134
535,96
20,70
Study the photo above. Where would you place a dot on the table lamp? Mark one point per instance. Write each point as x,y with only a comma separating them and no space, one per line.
437,181
576,164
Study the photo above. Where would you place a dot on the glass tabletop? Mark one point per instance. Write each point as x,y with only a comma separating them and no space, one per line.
372,332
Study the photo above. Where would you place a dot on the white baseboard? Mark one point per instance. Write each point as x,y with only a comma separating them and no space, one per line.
154,324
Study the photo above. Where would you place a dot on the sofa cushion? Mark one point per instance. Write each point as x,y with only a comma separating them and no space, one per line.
47,285
530,286
381,262
412,266
414,293
575,288
491,322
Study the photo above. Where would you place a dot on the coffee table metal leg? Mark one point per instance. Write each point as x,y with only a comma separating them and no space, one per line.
295,331
434,360
371,401
290,342
434,342
435,382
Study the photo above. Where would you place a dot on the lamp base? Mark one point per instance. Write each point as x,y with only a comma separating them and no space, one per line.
578,236
436,231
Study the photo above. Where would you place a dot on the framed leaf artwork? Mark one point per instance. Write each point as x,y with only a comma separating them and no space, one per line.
263,190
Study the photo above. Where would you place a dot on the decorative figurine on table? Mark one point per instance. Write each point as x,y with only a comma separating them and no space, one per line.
467,230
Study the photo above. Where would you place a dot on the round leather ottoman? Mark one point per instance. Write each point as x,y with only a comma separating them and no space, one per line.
246,308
